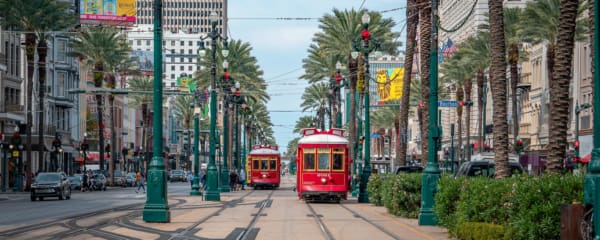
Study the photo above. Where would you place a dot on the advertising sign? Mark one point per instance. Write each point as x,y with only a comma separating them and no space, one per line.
144,59
185,83
389,83
107,12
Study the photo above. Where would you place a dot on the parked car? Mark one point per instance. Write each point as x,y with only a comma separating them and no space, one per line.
50,184
76,182
486,168
120,179
177,175
409,169
99,182
130,179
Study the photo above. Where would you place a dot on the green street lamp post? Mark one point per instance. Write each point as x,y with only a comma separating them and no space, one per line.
156,208
238,101
336,83
357,148
366,46
431,174
452,147
592,179
195,186
15,149
212,191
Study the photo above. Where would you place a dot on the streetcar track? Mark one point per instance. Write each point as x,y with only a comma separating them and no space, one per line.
263,204
327,234
382,229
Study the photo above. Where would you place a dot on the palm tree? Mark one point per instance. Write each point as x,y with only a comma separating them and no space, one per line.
476,50
424,51
142,101
338,30
411,34
100,47
36,18
304,122
544,22
498,86
314,98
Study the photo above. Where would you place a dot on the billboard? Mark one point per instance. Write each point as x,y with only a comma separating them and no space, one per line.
389,83
185,83
107,12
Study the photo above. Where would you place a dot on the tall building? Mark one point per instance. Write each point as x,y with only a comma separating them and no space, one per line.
190,16
12,82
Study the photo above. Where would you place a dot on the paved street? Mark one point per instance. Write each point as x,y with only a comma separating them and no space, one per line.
249,214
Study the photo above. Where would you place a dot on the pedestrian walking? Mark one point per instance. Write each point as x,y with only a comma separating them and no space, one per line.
191,178
140,181
243,178
202,177
84,180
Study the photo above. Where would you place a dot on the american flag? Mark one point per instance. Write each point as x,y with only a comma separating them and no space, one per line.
450,48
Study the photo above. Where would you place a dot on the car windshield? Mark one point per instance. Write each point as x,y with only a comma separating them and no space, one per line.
73,179
48,177
177,172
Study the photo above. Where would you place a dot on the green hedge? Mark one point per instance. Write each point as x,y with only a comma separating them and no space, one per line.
400,194
527,207
375,189
481,231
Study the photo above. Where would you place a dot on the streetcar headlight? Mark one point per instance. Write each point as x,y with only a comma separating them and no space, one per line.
323,180
264,175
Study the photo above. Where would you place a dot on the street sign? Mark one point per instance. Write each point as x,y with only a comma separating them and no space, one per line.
448,103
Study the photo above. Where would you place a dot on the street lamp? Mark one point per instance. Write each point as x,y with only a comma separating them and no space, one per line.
431,174
212,192
592,179
84,148
237,101
195,187
365,46
338,82
156,208
483,112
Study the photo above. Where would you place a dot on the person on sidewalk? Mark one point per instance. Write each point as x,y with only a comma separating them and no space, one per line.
140,181
191,178
243,178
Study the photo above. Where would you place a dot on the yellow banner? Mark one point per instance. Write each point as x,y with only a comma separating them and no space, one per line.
126,8
389,83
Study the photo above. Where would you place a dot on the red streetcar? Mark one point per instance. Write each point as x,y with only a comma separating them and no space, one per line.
322,163
263,167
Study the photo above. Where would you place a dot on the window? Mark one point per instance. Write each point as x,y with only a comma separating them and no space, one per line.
182,43
181,68
172,43
190,68
309,159
255,164
172,76
61,81
338,159
273,164
190,43
264,164
190,51
172,68
148,42
323,158
139,42
61,55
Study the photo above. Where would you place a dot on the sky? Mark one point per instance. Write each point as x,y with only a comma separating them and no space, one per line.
280,46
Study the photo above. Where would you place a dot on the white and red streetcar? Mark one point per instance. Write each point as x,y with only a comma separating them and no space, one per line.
263,167
322,163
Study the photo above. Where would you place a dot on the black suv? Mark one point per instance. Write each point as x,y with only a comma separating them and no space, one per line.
409,169
486,168
51,184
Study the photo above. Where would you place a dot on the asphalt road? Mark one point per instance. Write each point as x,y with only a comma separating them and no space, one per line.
16,208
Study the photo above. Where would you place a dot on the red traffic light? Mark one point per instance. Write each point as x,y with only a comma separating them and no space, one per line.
365,35
519,142
338,78
576,144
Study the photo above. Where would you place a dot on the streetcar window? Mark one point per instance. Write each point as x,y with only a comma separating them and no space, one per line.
255,164
309,161
264,164
273,164
338,161
323,159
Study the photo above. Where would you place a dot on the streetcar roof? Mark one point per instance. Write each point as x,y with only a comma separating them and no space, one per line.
264,151
323,138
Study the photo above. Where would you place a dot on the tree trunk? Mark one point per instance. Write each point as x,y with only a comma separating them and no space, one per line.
559,87
42,50
498,87
513,59
468,85
352,64
424,51
459,112
412,22
480,107
30,40
98,76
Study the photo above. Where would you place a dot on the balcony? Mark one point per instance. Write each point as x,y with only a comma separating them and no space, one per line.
12,112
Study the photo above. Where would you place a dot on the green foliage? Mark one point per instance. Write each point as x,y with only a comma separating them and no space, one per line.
526,207
535,210
481,231
375,190
448,194
402,194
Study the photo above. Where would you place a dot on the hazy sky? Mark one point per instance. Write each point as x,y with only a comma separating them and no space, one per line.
280,46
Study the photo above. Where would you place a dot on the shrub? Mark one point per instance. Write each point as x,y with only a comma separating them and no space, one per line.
402,194
375,189
485,200
535,211
446,199
481,231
